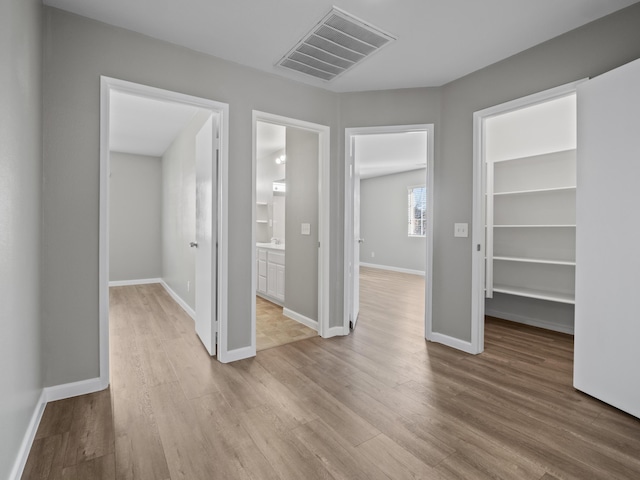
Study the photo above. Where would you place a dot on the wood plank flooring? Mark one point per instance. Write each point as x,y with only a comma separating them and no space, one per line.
274,329
379,404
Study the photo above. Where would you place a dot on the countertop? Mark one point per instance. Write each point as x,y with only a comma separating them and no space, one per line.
272,246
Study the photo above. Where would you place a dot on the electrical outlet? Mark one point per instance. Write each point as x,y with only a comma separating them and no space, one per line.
373,254
188,285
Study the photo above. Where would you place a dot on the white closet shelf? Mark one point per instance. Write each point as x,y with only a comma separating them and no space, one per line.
535,226
535,260
539,294
261,221
537,190
531,157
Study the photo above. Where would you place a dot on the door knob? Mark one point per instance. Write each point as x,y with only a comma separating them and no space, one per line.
193,244
361,240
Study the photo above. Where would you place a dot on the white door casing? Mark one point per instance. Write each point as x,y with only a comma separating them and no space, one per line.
108,85
323,131
351,237
206,234
479,244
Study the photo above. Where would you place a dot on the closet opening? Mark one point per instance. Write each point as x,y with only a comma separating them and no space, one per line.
525,212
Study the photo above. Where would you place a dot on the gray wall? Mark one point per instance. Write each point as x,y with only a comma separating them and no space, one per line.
383,222
135,206
78,51
20,220
301,252
179,211
584,52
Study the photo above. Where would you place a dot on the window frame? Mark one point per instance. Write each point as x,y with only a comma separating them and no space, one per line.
411,219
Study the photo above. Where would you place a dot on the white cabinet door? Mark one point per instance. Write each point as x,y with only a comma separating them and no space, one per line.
272,282
607,239
280,282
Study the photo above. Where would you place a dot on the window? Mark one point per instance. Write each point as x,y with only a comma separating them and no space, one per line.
417,211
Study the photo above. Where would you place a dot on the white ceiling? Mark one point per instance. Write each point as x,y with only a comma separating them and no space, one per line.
384,154
438,40
145,126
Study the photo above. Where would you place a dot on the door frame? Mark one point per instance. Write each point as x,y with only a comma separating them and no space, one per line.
478,241
107,85
323,131
350,134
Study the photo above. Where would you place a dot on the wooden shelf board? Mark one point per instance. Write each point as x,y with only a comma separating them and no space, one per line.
539,294
538,190
535,260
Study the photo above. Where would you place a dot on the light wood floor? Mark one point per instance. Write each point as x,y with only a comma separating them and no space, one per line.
274,329
378,404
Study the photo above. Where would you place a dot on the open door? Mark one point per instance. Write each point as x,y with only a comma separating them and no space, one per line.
352,224
355,276
206,234
607,255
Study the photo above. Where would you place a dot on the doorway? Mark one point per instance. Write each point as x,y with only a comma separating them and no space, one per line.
291,222
417,195
524,217
217,119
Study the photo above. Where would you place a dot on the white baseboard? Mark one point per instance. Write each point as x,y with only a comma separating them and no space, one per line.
27,440
452,342
393,269
238,354
50,394
300,318
68,390
534,322
190,311
141,281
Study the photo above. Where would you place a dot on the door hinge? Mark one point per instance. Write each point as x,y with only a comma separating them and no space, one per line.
478,247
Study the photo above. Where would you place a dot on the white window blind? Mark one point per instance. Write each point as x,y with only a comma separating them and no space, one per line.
417,211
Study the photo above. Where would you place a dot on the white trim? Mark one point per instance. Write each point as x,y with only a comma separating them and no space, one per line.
452,342
337,331
324,179
141,281
74,389
190,311
478,233
393,269
108,84
300,318
238,354
27,440
534,322
348,217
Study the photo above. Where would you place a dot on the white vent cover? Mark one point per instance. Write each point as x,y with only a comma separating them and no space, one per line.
335,45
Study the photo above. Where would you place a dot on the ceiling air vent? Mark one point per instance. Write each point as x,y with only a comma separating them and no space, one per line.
335,45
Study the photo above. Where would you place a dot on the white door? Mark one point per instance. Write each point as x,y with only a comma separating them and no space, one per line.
607,329
206,234
356,241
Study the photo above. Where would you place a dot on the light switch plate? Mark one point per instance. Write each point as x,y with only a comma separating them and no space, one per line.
461,230
305,229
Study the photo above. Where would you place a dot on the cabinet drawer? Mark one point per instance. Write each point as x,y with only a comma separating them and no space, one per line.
276,257
262,254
